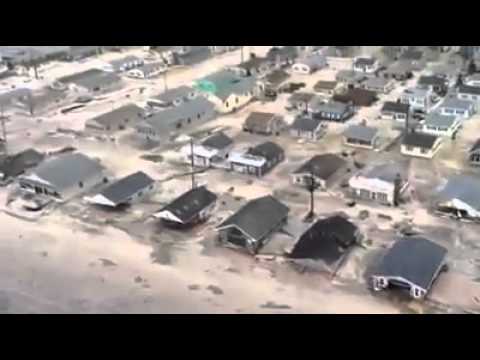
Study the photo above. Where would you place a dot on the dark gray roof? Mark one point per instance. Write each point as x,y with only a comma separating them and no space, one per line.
386,172
125,115
432,80
14,165
218,141
301,97
305,124
466,89
455,103
361,132
91,78
259,217
188,205
439,120
464,188
323,84
412,55
421,140
277,77
268,150
396,107
67,170
322,166
175,93
475,146
121,190
415,259
364,61
333,107
258,120
376,82
327,239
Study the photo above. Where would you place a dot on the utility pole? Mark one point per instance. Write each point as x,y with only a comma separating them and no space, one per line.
241,54
192,163
165,80
4,130
311,187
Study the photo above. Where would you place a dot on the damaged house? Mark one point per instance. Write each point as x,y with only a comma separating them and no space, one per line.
189,209
413,264
214,149
395,111
172,97
357,97
309,64
119,119
93,81
15,165
365,65
441,125
124,191
307,128
253,225
324,245
63,177
383,183
460,197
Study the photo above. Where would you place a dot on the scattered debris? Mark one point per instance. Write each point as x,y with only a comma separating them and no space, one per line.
363,214
44,254
146,286
138,279
232,270
215,289
273,305
107,262
231,189
385,217
194,287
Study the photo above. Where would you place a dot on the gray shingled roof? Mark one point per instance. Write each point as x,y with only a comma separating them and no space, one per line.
360,132
217,141
416,260
119,191
456,103
419,140
462,187
322,166
268,150
259,217
396,107
91,78
175,93
439,120
305,124
466,89
121,116
15,165
387,172
67,170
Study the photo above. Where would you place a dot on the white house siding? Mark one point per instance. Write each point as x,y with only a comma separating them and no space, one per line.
441,131
301,69
464,114
469,97
381,282
374,189
420,152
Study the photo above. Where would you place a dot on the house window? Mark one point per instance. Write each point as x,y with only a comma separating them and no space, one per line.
226,104
409,148
236,100
423,150
382,197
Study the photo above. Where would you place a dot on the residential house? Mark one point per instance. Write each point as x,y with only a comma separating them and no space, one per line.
41,100
15,165
300,101
435,83
253,225
418,99
164,123
309,64
217,50
147,71
124,191
473,80
460,197
93,81
213,149
192,55
361,136
415,58
228,91
325,87
282,56
460,108
324,245
395,110
275,79
474,154
420,145
258,160
323,168
117,120
350,78
189,209
365,65
413,264
357,97
334,111
263,123
257,66
469,93
76,53
307,128
172,97
441,125
399,70
378,85
63,177
383,183
124,64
